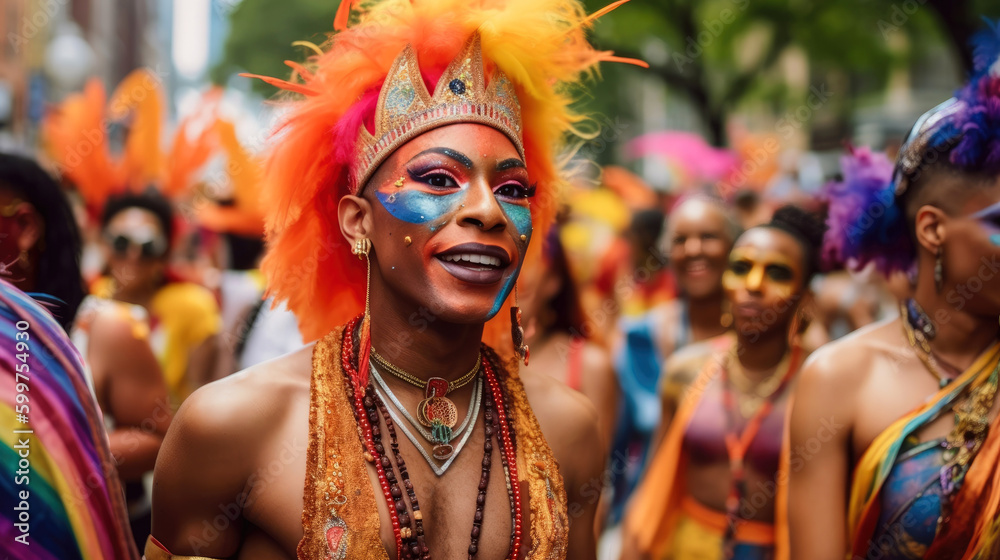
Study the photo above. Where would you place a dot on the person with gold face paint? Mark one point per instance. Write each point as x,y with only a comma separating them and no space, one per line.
403,192
709,490
700,232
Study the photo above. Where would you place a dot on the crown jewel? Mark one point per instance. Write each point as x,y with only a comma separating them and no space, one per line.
406,110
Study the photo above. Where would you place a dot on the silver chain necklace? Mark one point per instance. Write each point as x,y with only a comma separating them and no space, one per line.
463,431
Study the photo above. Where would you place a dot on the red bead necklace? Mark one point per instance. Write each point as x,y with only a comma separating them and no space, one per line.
366,410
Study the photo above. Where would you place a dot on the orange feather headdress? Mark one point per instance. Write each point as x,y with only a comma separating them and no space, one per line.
76,135
321,150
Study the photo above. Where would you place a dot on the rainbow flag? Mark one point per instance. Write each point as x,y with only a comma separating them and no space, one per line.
61,495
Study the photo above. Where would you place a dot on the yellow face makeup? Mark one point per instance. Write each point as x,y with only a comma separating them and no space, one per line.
769,272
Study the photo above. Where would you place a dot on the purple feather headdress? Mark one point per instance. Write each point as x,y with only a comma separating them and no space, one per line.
966,127
866,222
862,216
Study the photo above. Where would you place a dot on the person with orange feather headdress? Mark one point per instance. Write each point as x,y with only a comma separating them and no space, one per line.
130,195
148,338
253,330
419,137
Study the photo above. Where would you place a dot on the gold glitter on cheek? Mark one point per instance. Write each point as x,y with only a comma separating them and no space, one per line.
407,240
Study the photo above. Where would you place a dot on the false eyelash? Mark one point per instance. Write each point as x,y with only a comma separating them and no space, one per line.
530,192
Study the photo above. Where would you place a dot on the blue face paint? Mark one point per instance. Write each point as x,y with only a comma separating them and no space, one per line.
418,207
990,217
989,212
508,285
519,215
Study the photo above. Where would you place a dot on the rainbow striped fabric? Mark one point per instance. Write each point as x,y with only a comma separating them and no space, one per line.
973,527
61,495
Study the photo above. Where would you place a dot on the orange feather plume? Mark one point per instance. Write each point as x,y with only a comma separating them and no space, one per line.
75,135
245,171
138,102
76,139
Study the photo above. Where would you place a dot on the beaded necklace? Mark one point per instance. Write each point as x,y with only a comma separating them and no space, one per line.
737,444
919,331
366,408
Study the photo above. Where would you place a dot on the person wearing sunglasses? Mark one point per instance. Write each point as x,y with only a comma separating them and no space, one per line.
895,441
137,230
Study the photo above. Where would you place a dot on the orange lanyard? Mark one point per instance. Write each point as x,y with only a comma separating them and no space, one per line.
737,446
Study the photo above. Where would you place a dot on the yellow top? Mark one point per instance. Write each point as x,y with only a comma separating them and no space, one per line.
184,315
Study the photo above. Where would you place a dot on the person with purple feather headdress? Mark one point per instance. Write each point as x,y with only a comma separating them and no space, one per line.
894,435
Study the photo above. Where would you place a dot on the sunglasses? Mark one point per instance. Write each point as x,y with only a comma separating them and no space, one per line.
123,245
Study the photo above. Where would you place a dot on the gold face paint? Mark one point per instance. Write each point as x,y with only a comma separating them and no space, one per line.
768,272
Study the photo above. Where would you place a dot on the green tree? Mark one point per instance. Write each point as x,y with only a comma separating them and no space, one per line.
261,36
721,53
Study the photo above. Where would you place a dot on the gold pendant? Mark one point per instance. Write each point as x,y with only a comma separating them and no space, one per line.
439,409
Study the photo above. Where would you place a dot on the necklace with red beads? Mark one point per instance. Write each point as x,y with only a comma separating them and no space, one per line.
407,522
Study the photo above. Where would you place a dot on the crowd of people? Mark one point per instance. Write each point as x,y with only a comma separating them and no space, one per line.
706,373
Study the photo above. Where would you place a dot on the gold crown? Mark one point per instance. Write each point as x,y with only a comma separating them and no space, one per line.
406,110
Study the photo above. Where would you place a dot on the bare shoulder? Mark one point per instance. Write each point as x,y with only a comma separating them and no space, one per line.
847,362
683,366
221,435
843,368
568,419
238,411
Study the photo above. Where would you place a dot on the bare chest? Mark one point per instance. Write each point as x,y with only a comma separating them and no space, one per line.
448,503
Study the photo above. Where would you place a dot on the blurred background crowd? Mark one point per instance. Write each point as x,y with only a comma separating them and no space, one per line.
127,134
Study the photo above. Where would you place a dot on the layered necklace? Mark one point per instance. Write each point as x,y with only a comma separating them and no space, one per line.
754,394
761,398
407,520
441,434
436,412
971,414
919,331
